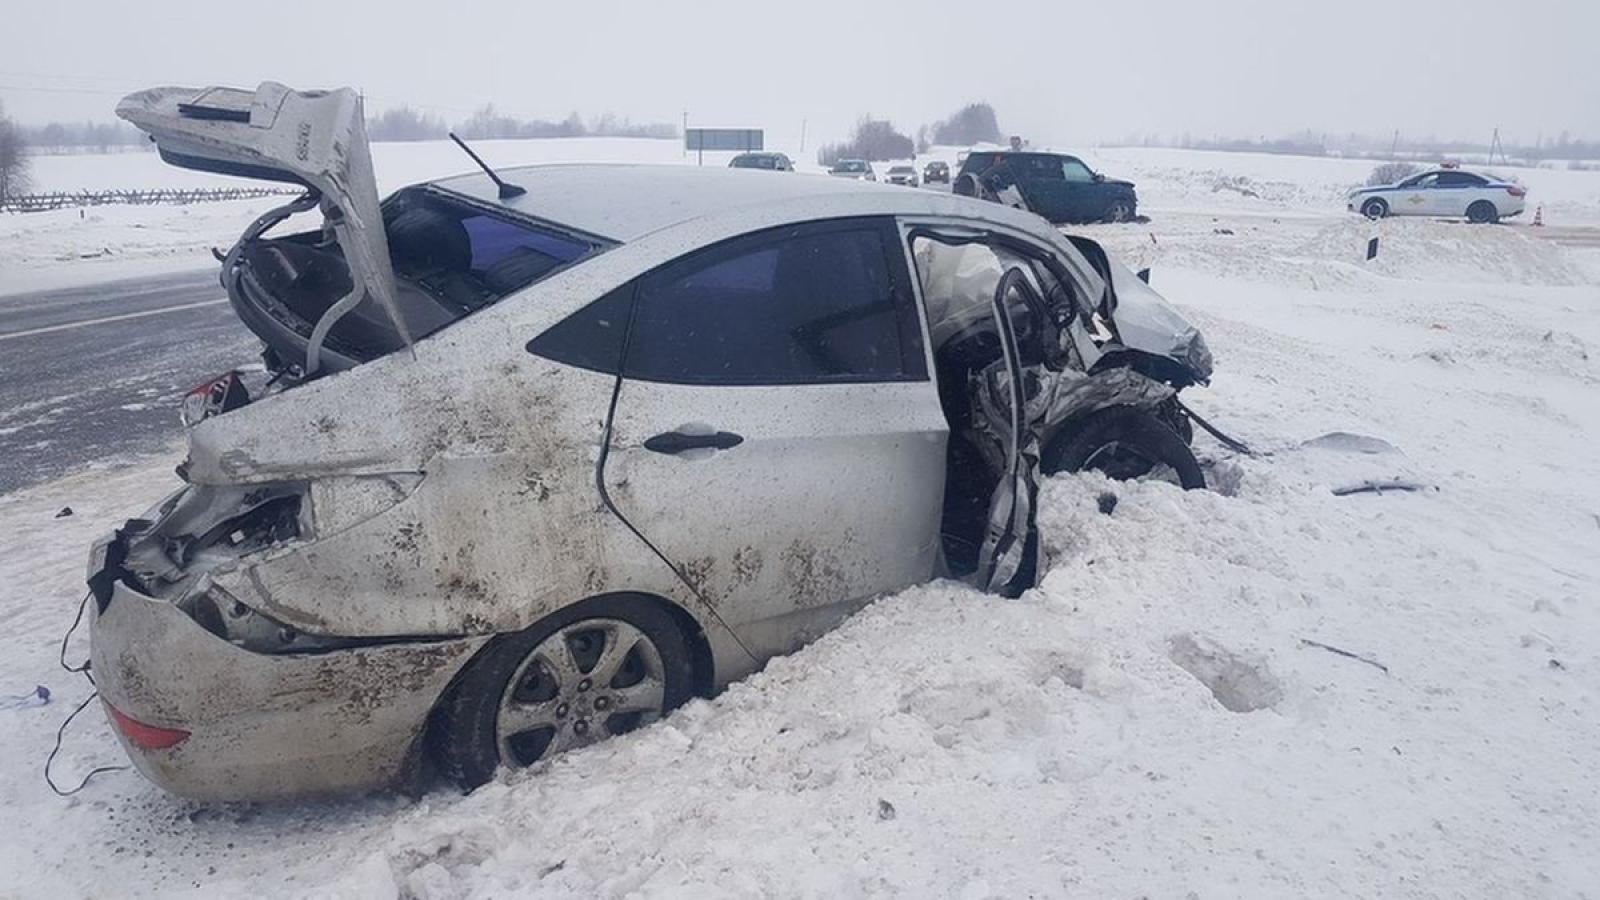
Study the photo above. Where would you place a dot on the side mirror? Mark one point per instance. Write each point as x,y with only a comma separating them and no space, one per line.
1099,177
1144,275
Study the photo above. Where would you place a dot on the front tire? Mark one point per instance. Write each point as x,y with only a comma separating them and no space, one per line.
1120,210
593,670
1123,442
1482,212
1375,209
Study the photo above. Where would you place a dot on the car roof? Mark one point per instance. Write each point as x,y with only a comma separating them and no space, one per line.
625,202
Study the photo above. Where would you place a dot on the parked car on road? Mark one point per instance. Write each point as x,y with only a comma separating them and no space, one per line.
1057,186
906,175
777,162
936,172
859,169
1444,192
546,452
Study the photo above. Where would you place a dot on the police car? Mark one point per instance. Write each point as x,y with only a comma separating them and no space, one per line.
1445,191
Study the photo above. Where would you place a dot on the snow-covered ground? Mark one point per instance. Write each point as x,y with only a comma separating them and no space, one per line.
1160,718
70,246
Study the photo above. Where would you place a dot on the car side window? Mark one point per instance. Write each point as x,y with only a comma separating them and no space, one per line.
1075,170
1426,181
804,304
1041,168
1459,179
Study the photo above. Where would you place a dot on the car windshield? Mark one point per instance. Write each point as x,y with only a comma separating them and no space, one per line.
903,170
850,165
753,161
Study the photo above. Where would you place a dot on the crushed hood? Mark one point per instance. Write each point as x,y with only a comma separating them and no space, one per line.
313,138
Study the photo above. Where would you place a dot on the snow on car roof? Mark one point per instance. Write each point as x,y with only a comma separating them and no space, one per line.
624,202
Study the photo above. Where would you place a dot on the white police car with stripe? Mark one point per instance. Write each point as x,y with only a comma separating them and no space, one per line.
1446,192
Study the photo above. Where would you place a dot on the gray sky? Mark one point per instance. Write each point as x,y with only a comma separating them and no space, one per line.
1060,72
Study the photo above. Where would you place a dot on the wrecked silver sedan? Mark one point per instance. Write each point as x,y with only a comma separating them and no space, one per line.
539,455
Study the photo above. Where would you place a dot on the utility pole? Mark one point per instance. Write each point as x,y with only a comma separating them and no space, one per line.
802,135
686,132
1395,147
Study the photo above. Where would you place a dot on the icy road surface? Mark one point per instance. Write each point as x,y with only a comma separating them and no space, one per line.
95,372
1160,718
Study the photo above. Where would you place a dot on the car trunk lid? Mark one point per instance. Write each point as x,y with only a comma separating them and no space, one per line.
313,138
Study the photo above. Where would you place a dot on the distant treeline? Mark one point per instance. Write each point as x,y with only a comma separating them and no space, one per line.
69,137
877,139
406,124
398,124
1312,143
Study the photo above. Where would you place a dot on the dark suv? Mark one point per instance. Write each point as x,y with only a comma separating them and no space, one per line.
1054,185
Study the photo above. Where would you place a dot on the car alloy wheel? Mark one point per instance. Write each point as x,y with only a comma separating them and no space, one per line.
591,680
1374,209
1119,211
1482,212
592,670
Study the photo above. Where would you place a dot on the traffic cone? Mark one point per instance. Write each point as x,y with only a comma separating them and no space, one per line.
1538,216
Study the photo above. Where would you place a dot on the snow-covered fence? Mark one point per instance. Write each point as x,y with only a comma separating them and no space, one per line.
25,203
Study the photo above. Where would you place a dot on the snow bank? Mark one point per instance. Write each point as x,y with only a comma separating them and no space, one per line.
1264,690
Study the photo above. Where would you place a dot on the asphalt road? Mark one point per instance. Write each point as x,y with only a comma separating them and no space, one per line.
97,372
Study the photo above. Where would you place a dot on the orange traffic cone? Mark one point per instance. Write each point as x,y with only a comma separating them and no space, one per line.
1538,216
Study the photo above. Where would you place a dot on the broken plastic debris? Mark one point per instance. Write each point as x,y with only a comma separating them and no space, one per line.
39,696
1372,486
1350,443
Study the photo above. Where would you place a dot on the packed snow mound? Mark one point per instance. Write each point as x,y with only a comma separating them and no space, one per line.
1165,696
1446,251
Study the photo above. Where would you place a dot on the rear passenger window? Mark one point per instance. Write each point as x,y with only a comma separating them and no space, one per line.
806,304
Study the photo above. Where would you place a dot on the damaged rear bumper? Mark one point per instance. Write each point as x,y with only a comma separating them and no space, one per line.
263,726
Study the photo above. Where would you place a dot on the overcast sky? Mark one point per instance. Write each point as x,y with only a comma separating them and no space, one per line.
1066,73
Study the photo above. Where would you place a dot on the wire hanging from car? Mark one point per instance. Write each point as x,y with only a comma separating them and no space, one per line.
61,732
1233,444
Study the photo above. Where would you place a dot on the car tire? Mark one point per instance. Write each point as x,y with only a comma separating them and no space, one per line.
1120,210
511,673
1375,208
1123,442
1482,212
965,186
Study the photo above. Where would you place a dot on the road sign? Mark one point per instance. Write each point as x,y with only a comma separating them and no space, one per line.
702,139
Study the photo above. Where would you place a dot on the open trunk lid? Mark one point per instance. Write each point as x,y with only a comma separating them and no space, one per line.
313,138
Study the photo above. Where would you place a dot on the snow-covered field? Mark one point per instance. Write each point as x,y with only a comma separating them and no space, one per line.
1160,718
70,246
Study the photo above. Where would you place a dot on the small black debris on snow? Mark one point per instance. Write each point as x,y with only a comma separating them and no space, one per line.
885,810
65,511
1107,502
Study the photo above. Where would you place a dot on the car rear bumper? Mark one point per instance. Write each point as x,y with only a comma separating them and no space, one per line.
262,726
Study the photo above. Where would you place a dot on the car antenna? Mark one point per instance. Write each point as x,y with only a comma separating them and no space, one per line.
507,191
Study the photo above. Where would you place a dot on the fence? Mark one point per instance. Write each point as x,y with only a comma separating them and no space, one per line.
26,203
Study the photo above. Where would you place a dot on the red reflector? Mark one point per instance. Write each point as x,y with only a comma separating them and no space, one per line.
145,737
1517,191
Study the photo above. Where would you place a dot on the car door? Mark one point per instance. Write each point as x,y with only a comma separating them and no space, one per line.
1040,180
1454,192
1085,196
1417,197
776,436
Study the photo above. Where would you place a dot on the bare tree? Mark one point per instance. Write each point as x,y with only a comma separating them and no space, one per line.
1391,173
13,159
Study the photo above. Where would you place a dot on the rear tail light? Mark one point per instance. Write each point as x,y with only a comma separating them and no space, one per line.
145,737
224,393
1516,191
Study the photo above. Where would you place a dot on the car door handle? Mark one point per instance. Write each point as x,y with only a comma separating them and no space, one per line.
678,442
